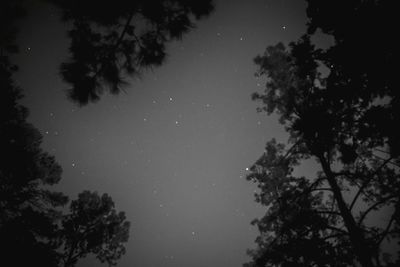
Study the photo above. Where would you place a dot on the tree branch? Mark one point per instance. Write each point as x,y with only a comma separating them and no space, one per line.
117,43
366,182
395,164
337,229
372,207
291,149
384,233
121,37
355,233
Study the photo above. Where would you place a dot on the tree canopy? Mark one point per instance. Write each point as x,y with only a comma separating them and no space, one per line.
339,106
110,39
93,226
29,210
34,229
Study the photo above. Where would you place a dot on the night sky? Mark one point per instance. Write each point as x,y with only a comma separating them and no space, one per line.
172,151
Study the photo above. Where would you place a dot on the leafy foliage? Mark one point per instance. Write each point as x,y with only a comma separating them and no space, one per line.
343,118
110,39
29,211
33,229
93,226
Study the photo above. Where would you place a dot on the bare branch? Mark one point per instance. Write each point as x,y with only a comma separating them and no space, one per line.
366,182
374,206
384,233
391,162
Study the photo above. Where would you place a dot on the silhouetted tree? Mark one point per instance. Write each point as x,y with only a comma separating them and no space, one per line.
33,230
93,226
28,210
110,39
344,118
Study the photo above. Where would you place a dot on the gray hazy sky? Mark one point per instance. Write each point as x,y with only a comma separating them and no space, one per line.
173,150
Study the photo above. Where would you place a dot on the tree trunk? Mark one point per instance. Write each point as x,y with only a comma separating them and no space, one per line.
357,239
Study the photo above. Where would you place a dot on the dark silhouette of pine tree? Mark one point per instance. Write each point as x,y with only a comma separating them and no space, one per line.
109,39
113,39
28,210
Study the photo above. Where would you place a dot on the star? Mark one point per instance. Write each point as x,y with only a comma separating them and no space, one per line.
284,27
73,164
170,99
247,169
241,38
